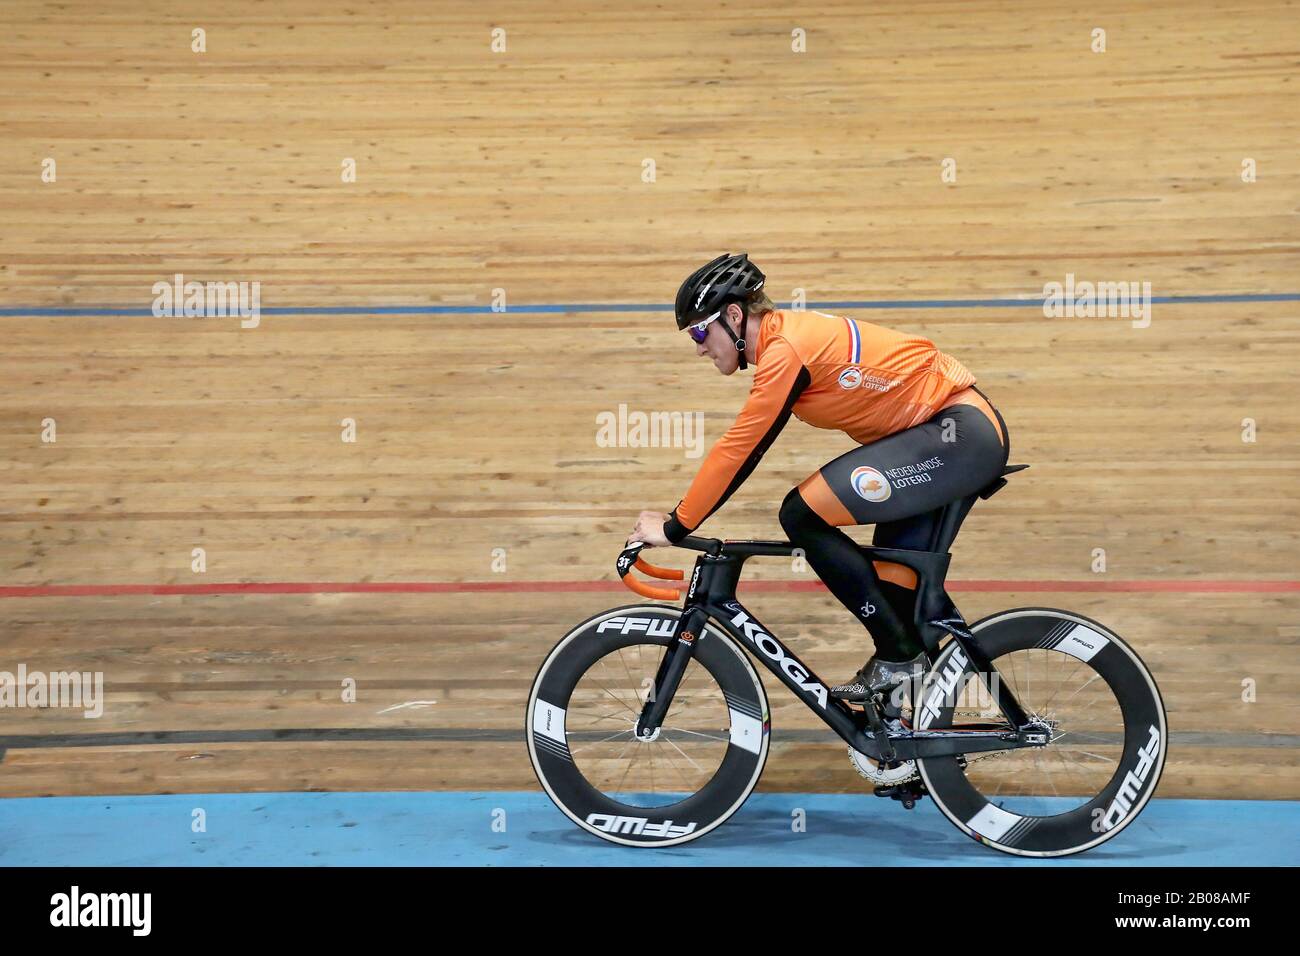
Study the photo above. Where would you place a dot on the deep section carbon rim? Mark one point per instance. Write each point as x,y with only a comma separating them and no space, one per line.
692,776
1107,729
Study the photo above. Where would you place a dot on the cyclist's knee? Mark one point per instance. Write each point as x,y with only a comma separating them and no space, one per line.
796,517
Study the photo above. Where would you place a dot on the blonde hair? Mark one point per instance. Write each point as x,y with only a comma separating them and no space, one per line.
757,304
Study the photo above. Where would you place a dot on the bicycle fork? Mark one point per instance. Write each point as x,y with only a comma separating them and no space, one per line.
676,657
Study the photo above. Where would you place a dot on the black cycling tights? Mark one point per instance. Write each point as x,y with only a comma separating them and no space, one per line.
900,484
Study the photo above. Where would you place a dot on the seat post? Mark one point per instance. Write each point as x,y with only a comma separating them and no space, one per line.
950,518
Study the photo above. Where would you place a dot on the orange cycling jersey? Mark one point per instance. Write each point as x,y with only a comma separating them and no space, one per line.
831,372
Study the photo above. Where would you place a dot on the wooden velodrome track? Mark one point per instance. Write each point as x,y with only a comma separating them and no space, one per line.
523,170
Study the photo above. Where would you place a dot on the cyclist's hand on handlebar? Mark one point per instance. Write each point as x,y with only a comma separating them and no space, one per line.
650,529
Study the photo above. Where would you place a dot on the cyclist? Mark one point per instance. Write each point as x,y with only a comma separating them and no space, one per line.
926,436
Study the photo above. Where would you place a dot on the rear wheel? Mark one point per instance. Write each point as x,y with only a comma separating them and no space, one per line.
1105,719
696,771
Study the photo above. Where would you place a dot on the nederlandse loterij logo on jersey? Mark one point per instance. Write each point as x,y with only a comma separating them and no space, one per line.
870,484
854,377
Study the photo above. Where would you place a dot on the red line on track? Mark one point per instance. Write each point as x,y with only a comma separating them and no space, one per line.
560,587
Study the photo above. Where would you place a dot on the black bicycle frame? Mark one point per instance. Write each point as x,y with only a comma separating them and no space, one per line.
712,596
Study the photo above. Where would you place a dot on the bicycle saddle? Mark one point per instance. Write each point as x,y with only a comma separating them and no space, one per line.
1001,482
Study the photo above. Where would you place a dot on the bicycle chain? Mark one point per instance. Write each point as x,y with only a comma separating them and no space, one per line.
987,755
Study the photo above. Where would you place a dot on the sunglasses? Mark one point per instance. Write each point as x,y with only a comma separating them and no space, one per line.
700,330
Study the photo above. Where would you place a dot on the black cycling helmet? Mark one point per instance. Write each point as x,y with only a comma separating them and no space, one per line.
710,289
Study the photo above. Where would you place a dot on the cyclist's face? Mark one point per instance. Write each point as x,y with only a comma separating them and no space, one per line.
717,344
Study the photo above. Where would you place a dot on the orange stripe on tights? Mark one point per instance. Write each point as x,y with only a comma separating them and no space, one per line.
817,494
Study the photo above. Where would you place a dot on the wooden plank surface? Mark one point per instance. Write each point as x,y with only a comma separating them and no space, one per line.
477,434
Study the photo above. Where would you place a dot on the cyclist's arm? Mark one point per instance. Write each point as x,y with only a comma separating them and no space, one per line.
778,381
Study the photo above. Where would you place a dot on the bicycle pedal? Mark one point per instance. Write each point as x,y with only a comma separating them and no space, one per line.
905,793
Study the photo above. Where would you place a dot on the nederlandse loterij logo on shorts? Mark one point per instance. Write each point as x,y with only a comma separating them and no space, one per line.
870,484
850,378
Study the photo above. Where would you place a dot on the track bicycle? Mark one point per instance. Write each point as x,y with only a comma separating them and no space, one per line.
648,725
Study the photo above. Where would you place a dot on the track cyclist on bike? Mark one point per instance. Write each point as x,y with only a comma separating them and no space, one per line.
926,436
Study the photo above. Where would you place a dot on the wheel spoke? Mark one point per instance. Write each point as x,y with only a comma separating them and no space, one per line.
646,772
682,730
630,730
685,755
1082,711
1076,750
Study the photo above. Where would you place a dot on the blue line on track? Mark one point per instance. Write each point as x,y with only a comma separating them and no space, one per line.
421,829
1034,301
